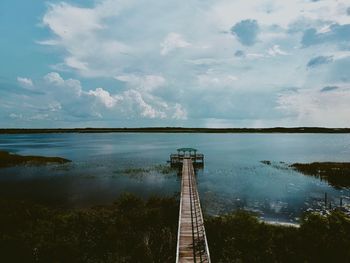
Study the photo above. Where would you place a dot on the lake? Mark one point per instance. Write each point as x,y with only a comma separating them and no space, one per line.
108,164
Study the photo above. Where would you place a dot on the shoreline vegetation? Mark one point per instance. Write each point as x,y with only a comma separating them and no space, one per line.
337,174
129,230
179,130
136,230
8,159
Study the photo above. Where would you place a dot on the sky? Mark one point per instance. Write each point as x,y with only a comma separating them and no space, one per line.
194,63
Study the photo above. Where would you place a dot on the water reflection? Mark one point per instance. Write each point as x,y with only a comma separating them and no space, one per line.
233,176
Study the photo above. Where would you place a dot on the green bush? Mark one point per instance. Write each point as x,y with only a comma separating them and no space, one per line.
130,230
134,230
240,237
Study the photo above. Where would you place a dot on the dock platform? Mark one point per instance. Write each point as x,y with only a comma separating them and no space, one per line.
176,159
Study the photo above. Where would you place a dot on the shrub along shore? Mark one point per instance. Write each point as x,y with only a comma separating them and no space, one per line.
336,173
136,230
10,159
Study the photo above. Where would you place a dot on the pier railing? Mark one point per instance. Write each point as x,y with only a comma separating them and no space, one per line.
192,243
177,159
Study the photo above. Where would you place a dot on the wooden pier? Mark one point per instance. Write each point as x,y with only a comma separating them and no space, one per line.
192,245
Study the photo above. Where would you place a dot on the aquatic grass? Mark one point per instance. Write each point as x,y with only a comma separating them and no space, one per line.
337,174
277,165
89,176
163,169
135,170
140,173
132,171
8,159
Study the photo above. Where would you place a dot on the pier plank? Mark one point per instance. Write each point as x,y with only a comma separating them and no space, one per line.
192,243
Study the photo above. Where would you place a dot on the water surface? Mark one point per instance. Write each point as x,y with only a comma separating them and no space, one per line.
107,164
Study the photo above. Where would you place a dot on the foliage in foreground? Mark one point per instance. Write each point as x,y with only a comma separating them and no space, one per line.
130,230
133,230
240,237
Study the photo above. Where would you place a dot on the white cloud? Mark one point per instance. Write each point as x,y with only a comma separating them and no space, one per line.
25,82
214,79
65,99
136,101
255,55
74,63
40,116
68,21
105,97
276,50
177,60
67,86
210,61
179,112
16,116
171,42
314,108
54,78
54,106
226,12
78,29
143,82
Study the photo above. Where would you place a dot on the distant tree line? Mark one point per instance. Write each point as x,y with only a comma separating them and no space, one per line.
180,130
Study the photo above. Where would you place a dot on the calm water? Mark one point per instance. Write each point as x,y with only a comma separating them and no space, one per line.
233,176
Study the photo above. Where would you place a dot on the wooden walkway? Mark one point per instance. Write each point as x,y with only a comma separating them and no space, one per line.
192,243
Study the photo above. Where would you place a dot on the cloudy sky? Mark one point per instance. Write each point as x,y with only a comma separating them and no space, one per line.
207,63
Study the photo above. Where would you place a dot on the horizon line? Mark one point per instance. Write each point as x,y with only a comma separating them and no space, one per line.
169,129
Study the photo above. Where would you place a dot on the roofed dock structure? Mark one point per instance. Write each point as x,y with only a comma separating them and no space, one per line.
176,159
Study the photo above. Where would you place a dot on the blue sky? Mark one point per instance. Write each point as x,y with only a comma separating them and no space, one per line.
208,63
